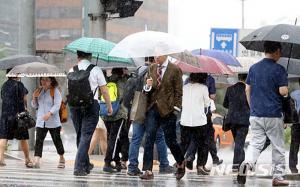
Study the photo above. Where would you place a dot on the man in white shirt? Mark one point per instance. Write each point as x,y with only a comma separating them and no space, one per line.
85,120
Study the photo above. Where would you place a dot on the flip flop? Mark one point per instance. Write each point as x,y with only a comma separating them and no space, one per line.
61,164
29,164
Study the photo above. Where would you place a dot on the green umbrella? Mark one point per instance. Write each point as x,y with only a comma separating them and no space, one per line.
99,48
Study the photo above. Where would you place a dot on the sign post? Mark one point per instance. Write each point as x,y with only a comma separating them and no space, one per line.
224,40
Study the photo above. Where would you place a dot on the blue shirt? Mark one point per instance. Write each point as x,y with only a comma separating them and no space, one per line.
265,78
296,96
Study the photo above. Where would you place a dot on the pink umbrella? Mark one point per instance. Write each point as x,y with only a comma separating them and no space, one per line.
207,65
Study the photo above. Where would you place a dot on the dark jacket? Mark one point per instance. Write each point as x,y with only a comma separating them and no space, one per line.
236,102
169,93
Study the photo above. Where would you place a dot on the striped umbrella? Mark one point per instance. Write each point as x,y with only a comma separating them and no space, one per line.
98,47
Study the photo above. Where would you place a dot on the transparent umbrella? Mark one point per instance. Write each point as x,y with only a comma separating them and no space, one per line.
35,69
145,44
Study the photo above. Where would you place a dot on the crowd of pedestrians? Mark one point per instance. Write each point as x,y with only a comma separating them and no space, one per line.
254,102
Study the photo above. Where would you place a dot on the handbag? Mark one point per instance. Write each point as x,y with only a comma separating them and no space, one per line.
115,106
25,120
289,110
139,107
63,111
226,125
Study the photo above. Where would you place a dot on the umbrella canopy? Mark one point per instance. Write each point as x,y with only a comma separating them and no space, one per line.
35,69
247,62
12,61
188,58
207,65
227,58
98,47
145,44
287,35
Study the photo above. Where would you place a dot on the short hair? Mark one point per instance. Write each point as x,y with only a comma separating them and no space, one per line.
149,59
271,47
84,55
117,71
242,76
198,77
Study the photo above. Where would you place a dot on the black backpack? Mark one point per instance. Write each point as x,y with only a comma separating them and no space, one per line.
134,83
80,93
289,110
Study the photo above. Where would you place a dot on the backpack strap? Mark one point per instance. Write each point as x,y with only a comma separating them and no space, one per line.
90,67
52,90
75,68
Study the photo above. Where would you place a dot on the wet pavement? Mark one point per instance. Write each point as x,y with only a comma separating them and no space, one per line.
16,174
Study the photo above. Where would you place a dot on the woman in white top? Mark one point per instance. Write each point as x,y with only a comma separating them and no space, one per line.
193,118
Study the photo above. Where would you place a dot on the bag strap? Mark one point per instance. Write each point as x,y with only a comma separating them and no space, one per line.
75,68
90,67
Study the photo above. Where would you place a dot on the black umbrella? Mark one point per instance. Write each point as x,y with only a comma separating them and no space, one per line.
12,61
287,35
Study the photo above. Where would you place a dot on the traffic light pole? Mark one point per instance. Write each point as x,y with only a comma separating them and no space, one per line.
97,19
27,47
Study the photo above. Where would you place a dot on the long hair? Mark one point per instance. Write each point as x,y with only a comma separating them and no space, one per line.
53,83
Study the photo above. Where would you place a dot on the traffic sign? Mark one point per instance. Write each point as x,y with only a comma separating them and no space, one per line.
224,40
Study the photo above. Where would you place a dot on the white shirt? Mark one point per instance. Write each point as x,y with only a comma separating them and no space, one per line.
164,68
96,77
195,98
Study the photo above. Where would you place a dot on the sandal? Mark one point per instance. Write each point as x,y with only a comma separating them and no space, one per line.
2,164
29,164
61,165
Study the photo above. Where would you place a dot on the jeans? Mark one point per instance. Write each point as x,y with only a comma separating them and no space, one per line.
85,122
294,149
137,136
168,124
261,129
239,135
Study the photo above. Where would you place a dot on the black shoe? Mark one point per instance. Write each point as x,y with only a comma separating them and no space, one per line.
118,166
294,170
80,173
189,165
167,170
242,175
90,168
218,162
180,173
136,172
109,168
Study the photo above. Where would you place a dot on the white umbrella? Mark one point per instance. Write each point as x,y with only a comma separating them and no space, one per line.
145,44
35,69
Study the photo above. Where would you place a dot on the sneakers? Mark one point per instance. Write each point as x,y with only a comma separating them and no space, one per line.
202,171
147,175
167,170
136,172
109,168
279,182
243,170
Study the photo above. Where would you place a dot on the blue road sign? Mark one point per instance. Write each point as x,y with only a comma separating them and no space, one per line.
224,40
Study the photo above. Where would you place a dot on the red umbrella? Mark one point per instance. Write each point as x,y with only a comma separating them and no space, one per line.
207,65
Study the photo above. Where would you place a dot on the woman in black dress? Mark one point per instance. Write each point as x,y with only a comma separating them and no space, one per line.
14,100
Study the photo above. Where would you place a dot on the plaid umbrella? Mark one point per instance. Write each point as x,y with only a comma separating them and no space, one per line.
98,47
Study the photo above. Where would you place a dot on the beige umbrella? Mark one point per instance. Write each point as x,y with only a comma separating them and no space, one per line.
35,69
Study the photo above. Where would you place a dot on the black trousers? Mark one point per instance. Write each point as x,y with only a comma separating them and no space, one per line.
294,148
198,135
123,144
239,133
40,137
114,129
